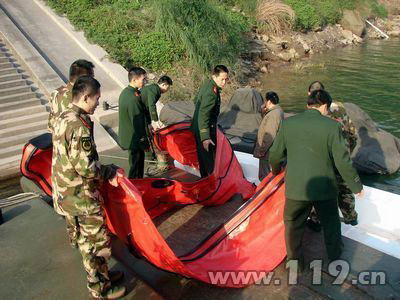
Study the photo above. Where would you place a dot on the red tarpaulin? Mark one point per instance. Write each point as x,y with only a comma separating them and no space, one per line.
253,239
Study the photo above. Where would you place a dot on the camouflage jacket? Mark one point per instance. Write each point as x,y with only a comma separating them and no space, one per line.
59,101
75,166
338,112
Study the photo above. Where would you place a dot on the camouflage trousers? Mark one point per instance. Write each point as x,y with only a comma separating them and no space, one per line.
72,230
94,245
346,203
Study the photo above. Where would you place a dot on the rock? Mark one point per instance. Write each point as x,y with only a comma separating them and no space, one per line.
255,54
265,38
288,55
348,35
357,39
377,151
246,71
151,76
294,53
264,69
265,54
345,42
394,33
306,47
353,21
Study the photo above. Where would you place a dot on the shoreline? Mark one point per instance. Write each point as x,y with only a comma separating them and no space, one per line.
268,53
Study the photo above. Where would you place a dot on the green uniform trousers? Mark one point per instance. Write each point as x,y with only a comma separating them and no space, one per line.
206,158
263,168
346,201
295,216
136,164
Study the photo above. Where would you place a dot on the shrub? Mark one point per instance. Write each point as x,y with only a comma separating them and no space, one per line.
319,13
275,16
155,51
207,33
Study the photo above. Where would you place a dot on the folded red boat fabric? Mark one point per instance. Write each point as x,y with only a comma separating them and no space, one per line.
238,253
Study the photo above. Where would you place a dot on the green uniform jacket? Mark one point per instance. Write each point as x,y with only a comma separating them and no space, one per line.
131,131
314,146
208,102
150,95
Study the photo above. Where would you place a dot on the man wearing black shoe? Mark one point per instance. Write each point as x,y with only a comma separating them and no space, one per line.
346,198
314,145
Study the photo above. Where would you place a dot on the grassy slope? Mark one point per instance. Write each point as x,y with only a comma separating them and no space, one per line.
177,35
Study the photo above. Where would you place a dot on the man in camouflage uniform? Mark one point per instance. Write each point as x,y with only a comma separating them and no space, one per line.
76,177
346,198
61,97
59,101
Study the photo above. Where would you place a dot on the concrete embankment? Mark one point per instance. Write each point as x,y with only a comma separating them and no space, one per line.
37,49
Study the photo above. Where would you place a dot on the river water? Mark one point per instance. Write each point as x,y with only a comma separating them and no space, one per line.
367,75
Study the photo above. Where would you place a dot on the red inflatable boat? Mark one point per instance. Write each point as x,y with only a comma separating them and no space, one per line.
251,240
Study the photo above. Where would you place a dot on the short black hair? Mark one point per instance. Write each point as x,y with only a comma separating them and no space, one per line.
85,85
315,86
80,67
135,72
272,96
165,79
318,98
220,69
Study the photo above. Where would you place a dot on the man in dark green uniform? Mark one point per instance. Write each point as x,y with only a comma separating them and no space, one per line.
150,95
346,200
132,123
204,123
315,146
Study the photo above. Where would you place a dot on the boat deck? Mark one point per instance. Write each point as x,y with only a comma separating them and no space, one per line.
37,262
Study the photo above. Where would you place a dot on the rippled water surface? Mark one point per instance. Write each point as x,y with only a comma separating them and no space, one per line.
367,75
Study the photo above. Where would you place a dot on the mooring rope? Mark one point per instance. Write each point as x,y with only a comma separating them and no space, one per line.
17,199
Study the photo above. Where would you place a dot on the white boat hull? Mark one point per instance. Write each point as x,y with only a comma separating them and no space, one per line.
378,221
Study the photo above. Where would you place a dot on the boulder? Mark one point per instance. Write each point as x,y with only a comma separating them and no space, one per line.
353,21
288,55
377,151
395,33
348,35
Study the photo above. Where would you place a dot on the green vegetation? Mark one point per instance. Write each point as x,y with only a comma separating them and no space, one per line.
311,14
159,34
208,34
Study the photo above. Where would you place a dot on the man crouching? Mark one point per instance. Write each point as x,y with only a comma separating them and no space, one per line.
76,177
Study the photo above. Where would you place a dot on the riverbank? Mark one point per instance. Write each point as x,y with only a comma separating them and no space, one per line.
268,53
186,38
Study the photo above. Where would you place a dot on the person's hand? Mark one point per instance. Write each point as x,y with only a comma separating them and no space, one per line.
108,171
207,143
156,125
360,194
114,181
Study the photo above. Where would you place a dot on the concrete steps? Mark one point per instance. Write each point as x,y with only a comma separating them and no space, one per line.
20,104
32,117
23,113
12,77
20,139
12,83
15,93
19,129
